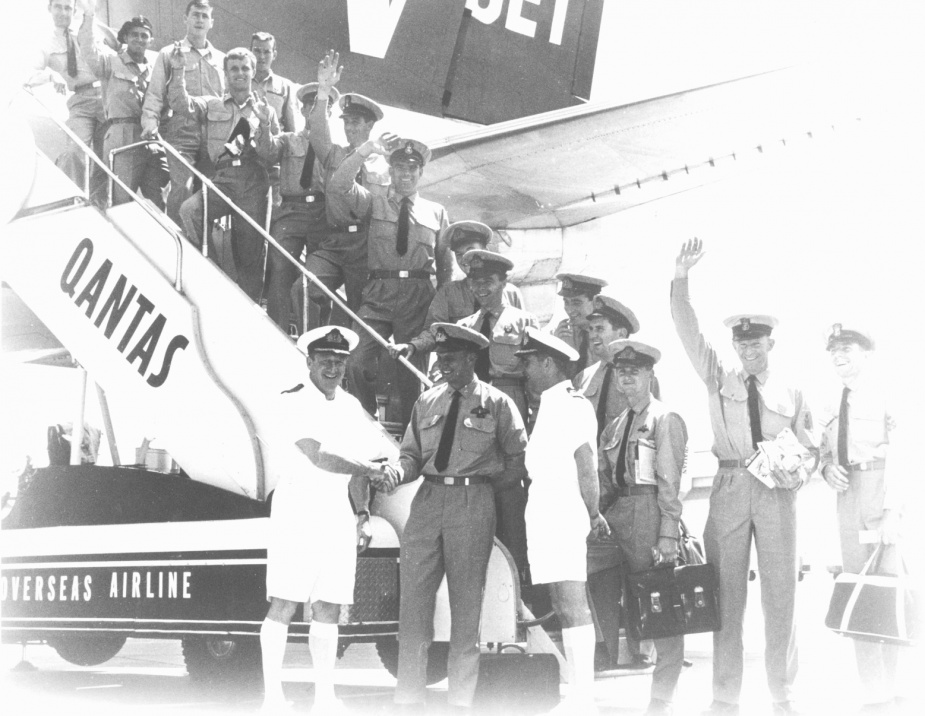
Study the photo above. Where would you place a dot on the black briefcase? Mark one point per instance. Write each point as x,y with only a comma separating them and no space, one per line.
517,684
671,601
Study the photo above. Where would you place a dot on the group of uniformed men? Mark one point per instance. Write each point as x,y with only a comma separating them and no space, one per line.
605,457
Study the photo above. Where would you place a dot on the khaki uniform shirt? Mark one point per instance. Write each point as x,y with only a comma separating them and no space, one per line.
205,77
124,80
52,54
453,302
219,116
870,425
590,382
782,405
279,93
427,222
656,454
489,440
508,326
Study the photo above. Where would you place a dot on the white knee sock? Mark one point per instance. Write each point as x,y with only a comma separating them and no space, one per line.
273,637
322,643
579,653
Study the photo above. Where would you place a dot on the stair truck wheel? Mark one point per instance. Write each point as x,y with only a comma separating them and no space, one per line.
212,659
87,649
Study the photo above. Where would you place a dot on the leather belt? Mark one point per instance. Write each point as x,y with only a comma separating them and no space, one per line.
631,490
309,198
457,481
87,86
867,466
733,463
125,120
345,229
413,273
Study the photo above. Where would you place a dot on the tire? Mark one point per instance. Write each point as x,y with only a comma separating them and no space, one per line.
436,659
87,649
212,660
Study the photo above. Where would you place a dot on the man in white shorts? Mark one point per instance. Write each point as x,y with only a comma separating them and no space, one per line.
313,532
561,461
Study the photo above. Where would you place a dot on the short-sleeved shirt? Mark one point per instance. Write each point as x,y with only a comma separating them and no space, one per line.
590,382
52,54
489,438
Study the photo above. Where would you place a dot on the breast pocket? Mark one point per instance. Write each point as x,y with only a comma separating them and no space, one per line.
430,430
779,416
867,427
477,434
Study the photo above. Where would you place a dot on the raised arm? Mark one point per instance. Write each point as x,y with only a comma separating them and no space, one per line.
179,99
96,55
319,120
443,256
343,190
702,355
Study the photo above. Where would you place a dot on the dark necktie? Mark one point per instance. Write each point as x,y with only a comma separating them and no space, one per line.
602,400
754,410
621,458
308,168
71,54
483,360
582,352
843,428
442,458
401,239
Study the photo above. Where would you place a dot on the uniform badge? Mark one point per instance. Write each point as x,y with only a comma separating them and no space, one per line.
745,324
409,148
643,429
836,330
480,411
566,284
509,328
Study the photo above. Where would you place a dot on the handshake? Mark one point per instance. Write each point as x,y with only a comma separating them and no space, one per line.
384,476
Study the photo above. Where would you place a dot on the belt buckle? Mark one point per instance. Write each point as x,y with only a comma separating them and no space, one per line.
352,229
403,274
449,480
235,162
310,199
863,466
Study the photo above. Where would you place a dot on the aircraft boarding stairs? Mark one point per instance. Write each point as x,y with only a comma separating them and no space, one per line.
161,329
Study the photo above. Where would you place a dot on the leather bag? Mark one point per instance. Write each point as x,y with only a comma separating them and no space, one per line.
671,601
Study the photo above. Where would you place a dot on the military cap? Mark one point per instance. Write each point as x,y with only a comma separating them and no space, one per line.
746,326
574,284
333,339
450,337
137,21
353,103
306,93
462,232
615,312
411,150
483,263
537,341
627,352
838,333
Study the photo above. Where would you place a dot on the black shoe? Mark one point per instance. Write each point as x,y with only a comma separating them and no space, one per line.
657,707
721,708
779,708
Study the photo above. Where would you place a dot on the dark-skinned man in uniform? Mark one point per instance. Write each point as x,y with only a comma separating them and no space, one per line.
406,252
641,462
464,434
748,405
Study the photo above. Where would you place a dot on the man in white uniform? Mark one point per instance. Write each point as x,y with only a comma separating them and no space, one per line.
561,461
313,531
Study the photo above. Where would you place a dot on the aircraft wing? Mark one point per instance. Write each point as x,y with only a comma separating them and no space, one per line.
572,165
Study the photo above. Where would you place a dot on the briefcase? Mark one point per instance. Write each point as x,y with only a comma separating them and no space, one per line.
876,607
517,684
671,601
